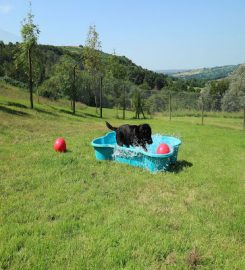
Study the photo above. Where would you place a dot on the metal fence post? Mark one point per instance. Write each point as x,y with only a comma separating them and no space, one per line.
101,97
124,100
244,118
202,110
170,107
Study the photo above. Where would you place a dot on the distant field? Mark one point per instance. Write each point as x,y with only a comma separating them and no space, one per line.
69,211
207,73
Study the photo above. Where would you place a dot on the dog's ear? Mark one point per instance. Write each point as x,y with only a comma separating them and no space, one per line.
144,127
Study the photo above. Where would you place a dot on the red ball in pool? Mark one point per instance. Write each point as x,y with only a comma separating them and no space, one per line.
163,148
60,145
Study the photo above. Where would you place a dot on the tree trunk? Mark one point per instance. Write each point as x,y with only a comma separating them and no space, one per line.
74,106
142,111
101,97
124,102
74,91
117,110
38,96
95,101
244,118
170,107
30,77
202,110
138,106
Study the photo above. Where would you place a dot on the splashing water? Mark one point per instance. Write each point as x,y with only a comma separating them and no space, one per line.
134,151
126,152
157,140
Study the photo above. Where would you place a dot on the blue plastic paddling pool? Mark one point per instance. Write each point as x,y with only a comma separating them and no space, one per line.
106,148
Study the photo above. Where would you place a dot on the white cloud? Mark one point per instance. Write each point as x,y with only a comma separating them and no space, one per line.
5,8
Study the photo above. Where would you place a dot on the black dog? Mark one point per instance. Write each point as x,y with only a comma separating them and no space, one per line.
132,135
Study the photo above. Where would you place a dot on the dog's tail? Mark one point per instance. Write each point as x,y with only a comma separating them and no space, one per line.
110,126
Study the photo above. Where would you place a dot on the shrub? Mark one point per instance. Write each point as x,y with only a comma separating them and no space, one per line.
13,82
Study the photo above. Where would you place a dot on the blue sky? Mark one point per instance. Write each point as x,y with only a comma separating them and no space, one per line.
156,34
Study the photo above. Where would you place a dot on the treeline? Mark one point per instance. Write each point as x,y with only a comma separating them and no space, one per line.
86,74
53,68
50,55
124,84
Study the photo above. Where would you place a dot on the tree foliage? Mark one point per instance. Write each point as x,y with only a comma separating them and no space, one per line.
91,51
26,55
234,98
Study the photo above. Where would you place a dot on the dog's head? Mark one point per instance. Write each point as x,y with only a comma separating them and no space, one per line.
145,133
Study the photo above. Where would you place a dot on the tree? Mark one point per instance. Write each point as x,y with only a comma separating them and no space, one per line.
50,88
119,72
159,82
156,102
150,79
92,59
234,98
30,33
138,103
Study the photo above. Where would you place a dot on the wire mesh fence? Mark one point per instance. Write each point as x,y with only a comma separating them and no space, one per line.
201,108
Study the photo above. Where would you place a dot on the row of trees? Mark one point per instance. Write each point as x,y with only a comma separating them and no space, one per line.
78,77
56,72
65,71
222,95
90,76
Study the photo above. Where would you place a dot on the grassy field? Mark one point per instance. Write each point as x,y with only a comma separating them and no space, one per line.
69,211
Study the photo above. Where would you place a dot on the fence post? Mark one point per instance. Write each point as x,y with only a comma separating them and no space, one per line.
74,91
101,97
244,118
202,110
170,107
124,101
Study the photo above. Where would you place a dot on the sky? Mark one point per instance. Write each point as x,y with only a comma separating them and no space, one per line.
155,34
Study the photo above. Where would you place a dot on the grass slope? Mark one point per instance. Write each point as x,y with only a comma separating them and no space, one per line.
69,211
207,73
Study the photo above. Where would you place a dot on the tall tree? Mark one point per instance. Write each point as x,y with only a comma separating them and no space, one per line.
119,72
30,33
93,60
138,103
67,72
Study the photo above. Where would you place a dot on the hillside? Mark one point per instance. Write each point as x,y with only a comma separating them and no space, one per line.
207,73
50,55
171,71
54,78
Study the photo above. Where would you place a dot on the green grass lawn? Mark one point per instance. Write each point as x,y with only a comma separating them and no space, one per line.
69,211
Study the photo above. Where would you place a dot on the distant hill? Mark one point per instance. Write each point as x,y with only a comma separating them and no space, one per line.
207,73
50,55
171,71
123,60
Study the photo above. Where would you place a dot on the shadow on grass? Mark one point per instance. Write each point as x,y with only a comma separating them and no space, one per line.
46,112
91,115
11,111
78,114
70,112
180,165
19,105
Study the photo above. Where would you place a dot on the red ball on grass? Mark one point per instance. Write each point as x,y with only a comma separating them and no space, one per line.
60,145
163,148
